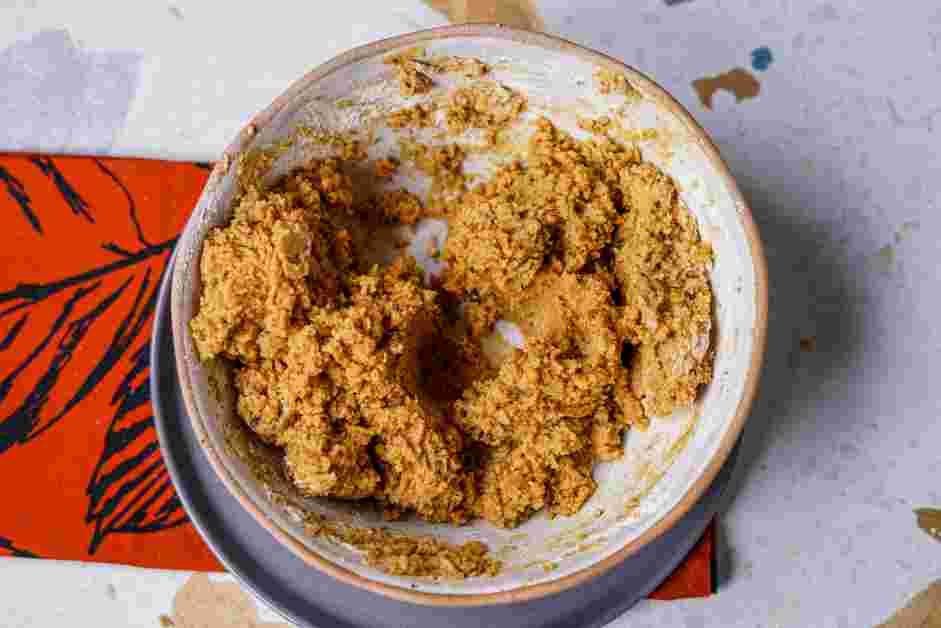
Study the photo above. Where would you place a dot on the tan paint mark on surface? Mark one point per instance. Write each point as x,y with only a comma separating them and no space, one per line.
924,611
202,603
808,344
929,520
738,81
518,13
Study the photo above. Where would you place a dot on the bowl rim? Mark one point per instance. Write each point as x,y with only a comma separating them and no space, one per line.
728,440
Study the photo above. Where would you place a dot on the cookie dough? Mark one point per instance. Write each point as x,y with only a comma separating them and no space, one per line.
373,385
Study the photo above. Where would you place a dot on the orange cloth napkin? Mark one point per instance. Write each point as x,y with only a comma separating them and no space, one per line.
84,244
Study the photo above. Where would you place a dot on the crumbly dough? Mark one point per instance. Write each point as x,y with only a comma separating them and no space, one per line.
598,126
468,67
542,407
375,388
401,206
484,105
412,69
610,82
405,555
327,354
444,164
559,209
412,79
417,116
662,265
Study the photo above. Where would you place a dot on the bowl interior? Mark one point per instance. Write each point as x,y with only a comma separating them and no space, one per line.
663,469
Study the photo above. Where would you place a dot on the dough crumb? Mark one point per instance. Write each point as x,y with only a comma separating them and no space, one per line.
608,81
444,163
468,67
386,168
417,116
483,105
598,126
412,80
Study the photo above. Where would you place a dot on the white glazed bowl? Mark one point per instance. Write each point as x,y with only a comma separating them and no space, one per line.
664,470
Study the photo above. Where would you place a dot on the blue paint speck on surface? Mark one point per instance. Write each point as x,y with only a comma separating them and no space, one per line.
761,58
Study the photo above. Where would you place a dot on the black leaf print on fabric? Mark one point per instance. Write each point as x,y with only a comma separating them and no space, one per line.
131,205
7,548
24,423
114,248
74,334
74,200
13,333
17,427
16,190
129,489
26,294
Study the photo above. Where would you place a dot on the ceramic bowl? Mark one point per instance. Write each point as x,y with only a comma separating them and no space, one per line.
665,469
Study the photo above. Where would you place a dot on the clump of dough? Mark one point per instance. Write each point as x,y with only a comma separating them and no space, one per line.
256,271
327,357
418,116
663,268
557,209
484,105
468,67
611,82
494,248
554,407
412,80
537,244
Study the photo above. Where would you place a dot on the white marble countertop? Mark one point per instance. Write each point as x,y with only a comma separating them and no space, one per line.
838,154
